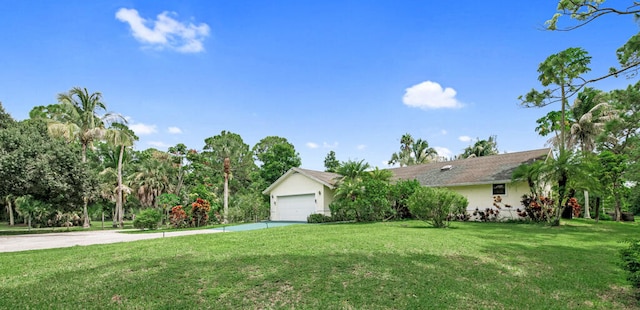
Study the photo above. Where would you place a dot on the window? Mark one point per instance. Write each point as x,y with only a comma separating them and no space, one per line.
499,189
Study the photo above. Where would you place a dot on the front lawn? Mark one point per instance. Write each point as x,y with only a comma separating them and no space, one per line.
397,265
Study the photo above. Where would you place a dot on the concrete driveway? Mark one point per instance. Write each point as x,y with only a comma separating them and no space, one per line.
17,243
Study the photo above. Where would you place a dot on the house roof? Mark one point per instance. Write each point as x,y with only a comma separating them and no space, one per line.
325,178
469,171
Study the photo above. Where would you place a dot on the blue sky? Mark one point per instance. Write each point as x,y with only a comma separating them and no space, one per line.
348,76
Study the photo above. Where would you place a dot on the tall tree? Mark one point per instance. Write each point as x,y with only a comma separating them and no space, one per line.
590,112
121,136
153,176
179,153
49,170
276,156
229,154
481,148
585,12
331,164
76,117
559,70
413,152
620,141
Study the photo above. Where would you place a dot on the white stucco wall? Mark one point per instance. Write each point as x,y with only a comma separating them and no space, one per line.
299,184
481,197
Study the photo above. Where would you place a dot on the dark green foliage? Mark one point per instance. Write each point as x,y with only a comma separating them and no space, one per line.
631,261
147,219
319,218
331,164
277,156
211,162
399,194
250,207
361,200
6,120
50,170
437,206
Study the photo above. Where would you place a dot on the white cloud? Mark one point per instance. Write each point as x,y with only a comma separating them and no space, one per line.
329,146
443,152
465,138
165,32
312,145
158,144
430,95
443,132
361,147
174,130
143,129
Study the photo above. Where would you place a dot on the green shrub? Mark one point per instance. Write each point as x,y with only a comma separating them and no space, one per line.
437,205
147,218
362,200
318,218
399,193
631,261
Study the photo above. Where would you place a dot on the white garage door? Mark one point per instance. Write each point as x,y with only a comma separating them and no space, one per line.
296,208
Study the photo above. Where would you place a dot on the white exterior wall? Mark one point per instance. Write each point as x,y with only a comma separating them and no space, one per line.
481,197
298,184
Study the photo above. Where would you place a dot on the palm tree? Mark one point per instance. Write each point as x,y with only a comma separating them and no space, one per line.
403,158
120,135
152,178
588,122
381,174
481,148
422,153
76,118
8,201
233,155
352,170
412,152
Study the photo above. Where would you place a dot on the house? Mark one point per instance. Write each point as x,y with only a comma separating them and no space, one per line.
300,193
484,181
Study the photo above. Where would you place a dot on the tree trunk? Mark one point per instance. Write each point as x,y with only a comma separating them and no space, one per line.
226,198
587,215
85,200
10,211
618,210
227,171
119,190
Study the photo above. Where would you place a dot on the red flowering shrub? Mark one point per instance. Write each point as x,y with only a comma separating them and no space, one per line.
178,217
200,212
575,206
536,208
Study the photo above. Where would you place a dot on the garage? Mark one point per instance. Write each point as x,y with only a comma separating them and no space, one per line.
296,208
299,193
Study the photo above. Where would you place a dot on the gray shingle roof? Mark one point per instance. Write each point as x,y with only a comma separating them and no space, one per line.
470,171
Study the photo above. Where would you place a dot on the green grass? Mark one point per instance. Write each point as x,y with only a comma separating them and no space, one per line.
397,265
